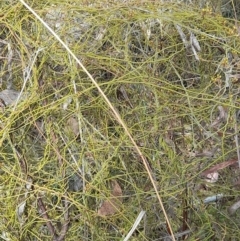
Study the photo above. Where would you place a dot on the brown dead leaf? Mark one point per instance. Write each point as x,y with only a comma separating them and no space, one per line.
73,125
219,166
112,204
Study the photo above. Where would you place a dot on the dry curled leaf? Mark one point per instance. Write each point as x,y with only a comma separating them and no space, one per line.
113,203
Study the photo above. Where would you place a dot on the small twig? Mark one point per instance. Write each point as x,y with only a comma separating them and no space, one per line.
22,161
185,212
65,203
9,63
10,56
47,219
27,75
71,153
65,225
79,113
236,140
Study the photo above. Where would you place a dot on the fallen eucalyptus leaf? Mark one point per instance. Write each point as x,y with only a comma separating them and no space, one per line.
73,125
219,166
112,205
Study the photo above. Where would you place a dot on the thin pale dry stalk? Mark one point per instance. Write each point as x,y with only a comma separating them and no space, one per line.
136,223
117,116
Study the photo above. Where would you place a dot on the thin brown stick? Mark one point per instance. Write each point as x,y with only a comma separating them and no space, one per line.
65,202
65,225
185,212
46,217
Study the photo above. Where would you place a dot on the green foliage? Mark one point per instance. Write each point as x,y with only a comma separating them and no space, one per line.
64,138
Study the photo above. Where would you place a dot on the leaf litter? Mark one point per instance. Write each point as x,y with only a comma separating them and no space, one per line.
113,203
